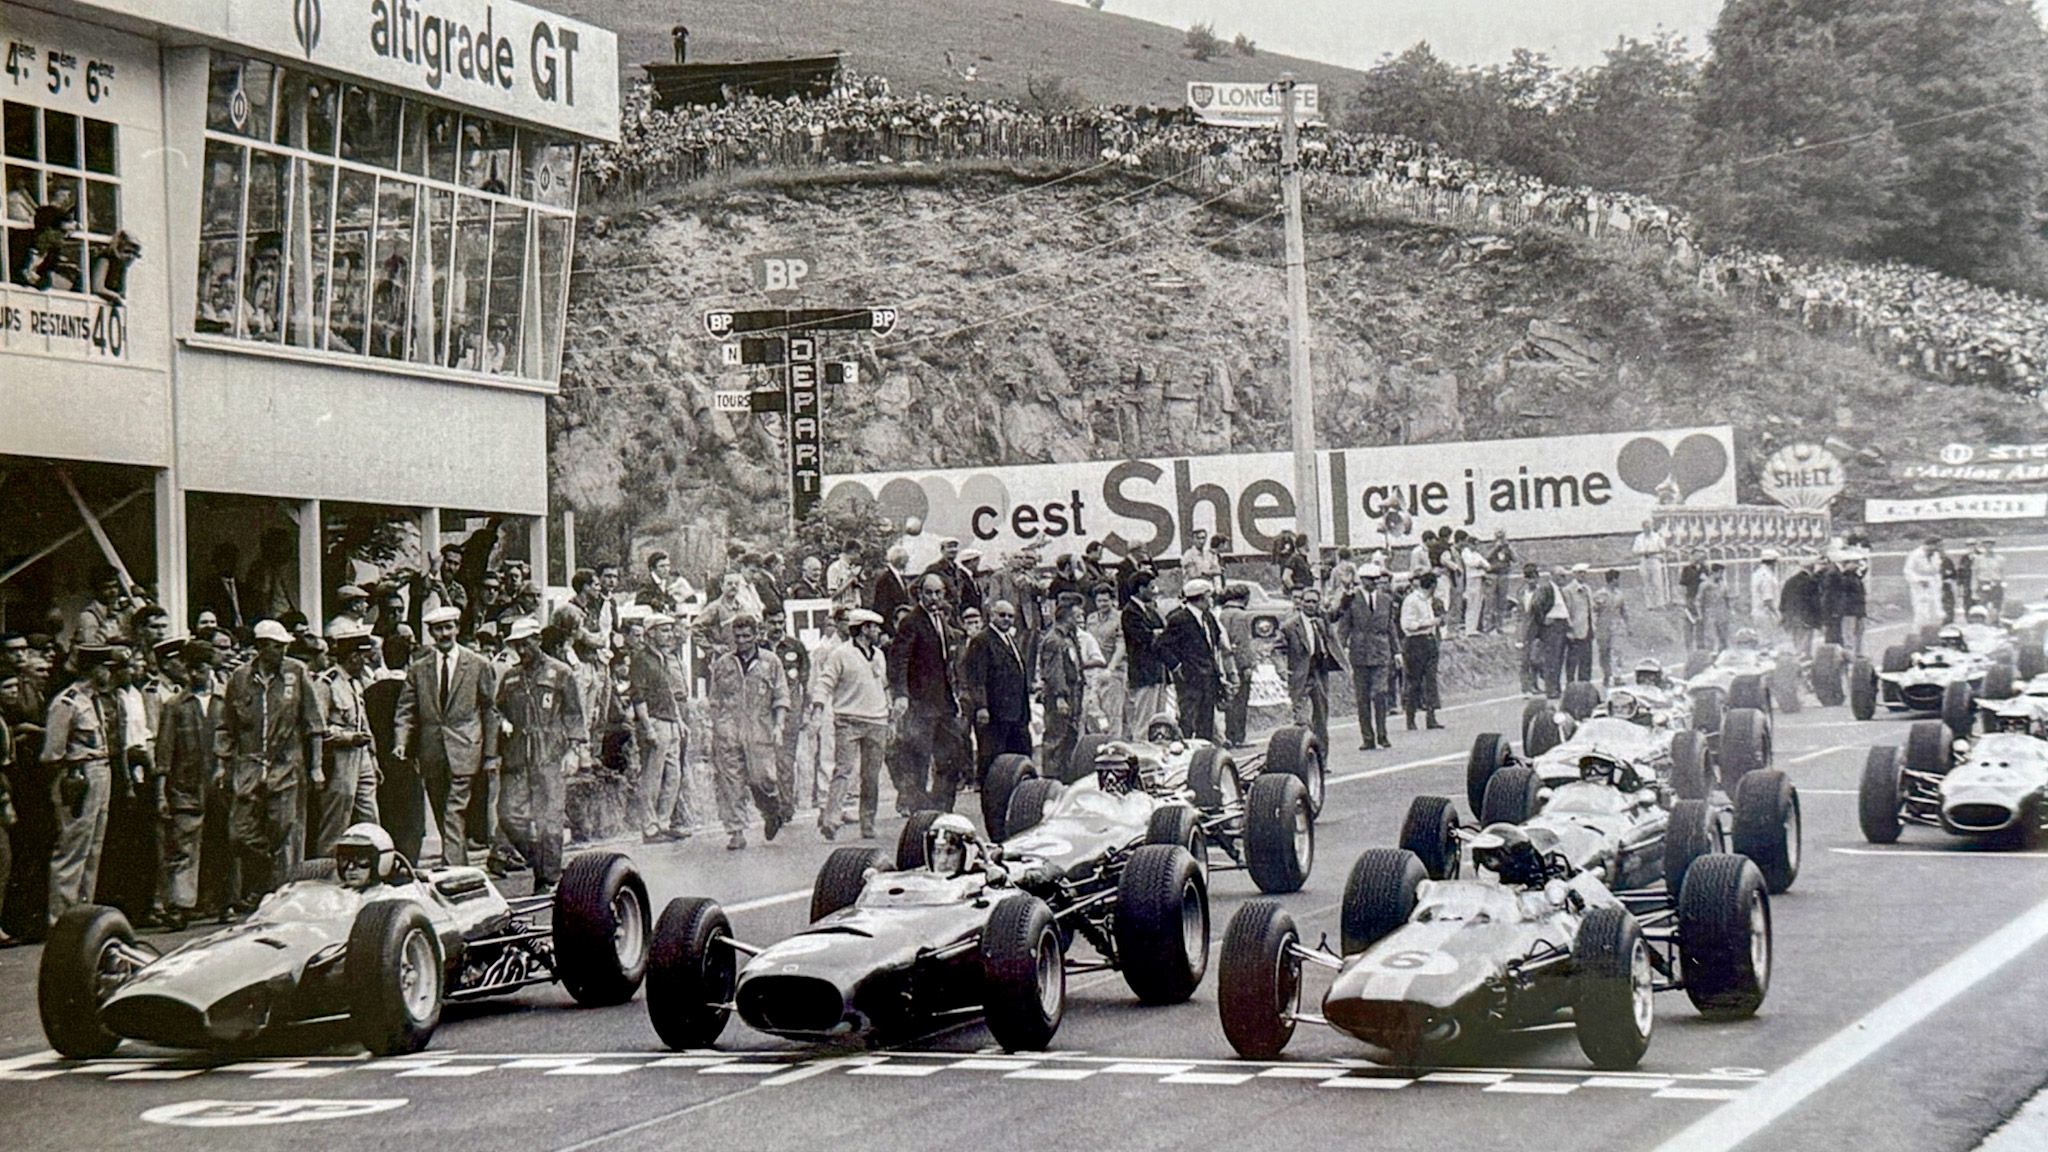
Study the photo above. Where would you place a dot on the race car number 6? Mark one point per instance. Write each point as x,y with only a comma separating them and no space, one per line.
1414,963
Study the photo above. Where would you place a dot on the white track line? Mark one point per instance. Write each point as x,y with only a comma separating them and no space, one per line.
1817,755
1779,1093
1944,853
1389,770
770,901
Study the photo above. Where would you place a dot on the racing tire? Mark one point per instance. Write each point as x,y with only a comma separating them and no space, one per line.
1005,772
1024,966
1998,682
1862,689
1543,735
692,972
1708,707
1959,707
1081,764
1162,924
1612,1010
1724,936
1428,831
1689,777
1179,825
1531,709
1928,637
1579,699
910,841
1767,827
392,977
1745,746
1379,896
1878,795
317,868
1212,776
1784,695
1028,805
1897,658
842,876
1297,752
1690,834
1258,980
1490,753
2031,660
1279,833
1826,676
1697,661
1748,691
1512,796
601,929
1930,747
68,979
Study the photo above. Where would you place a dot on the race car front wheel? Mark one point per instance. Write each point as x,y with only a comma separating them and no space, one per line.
1959,707
393,975
1878,796
1724,936
1690,834
1689,765
1612,1007
1279,833
1379,896
1004,774
1258,984
1512,796
1162,924
1862,689
1026,972
691,972
600,929
1826,675
1767,828
1428,830
80,966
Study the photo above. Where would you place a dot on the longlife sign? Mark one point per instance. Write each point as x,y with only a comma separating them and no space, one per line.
1553,486
2008,506
1984,464
497,56
1237,104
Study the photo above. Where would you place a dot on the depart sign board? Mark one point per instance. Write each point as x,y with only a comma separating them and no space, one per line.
1553,486
499,57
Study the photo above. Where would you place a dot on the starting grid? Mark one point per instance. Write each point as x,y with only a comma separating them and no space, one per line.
775,1068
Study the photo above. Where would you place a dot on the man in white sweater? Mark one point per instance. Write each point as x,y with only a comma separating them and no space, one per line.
852,679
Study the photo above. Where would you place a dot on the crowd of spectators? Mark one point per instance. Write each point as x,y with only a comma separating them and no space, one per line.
1941,327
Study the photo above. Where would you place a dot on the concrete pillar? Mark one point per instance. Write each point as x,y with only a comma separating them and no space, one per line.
537,556
172,562
312,546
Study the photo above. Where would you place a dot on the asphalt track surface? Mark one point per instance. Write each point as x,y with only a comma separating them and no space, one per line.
1906,1012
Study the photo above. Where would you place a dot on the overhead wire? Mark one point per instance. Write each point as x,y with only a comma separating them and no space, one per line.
1767,157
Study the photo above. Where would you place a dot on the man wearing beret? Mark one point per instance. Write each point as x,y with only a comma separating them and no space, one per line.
447,722
271,733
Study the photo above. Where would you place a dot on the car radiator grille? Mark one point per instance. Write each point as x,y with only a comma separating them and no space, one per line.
791,1004
1979,817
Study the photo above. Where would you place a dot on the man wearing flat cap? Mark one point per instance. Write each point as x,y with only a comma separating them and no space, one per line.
1191,645
271,732
355,609
960,583
545,737
349,795
447,722
1368,622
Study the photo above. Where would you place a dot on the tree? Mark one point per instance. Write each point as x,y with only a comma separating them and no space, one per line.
1504,114
1202,41
1246,46
1631,116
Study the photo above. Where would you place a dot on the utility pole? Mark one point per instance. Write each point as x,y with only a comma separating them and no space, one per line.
1308,487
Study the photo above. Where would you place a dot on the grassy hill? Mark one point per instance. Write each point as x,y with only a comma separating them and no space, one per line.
1109,59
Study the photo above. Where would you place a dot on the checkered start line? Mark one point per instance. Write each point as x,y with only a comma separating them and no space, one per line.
773,1068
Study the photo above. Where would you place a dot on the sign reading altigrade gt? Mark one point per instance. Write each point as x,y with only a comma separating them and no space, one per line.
1542,487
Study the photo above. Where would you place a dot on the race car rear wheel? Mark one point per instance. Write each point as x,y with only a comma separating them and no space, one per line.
1612,1007
1748,691
1862,689
1697,661
393,976
1896,658
1745,746
1689,765
1928,637
1162,924
1690,834
1212,776
1379,896
1004,774
1542,734
1427,831
1767,826
1579,699
79,969
317,868
692,972
1026,972
1489,754
1826,675
910,841
601,928
1258,982
841,878
1027,805
1297,752
2031,659
1879,794
1785,686
1178,824
1930,747
1707,706
1724,936
1959,707
1081,765
1531,709
1512,796
1998,682
1279,833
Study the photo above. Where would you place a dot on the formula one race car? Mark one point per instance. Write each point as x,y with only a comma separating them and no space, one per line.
1994,787
1258,812
363,940
1427,963
970,929
1696,724
1945,675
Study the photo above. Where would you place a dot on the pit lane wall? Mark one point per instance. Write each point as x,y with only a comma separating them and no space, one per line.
1535,488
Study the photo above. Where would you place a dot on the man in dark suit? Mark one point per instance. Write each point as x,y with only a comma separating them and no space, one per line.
1191,643
1306,645
1549,619
890,592
994,685
1146,666
960,582
185,758
921,700
399,798
1366,617
447,722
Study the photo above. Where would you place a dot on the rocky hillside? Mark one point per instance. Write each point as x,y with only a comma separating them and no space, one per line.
1097,318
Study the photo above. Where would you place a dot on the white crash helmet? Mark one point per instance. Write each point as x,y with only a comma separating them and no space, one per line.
1950,636
1747,638
950,845
1623,705
365,857
1163,728
1649,672
1980,614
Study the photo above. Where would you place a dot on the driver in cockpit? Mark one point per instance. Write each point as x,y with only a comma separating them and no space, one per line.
951,847
1649,673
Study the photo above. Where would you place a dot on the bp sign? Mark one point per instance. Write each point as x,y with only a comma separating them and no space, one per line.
1803,476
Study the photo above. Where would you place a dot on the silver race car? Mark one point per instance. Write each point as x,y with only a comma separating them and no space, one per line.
1993,787
1944,675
